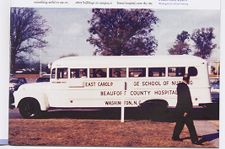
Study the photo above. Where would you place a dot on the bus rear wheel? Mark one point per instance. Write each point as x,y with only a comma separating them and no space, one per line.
154,108
29,108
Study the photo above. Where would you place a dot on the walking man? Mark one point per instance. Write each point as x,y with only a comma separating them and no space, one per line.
184,111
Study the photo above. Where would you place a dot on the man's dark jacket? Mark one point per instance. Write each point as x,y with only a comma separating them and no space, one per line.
184,103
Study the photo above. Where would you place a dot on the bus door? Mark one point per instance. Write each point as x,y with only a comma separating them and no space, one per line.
57,93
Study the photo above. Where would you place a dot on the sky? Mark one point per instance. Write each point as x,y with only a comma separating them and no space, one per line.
69,30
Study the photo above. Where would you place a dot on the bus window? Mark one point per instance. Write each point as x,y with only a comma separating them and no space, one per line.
83,73
78,73
74,73
157,72
53,73
62,73
176,71
117,72
98,72
192,71
137,72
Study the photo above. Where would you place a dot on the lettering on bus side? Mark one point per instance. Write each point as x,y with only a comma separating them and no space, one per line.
111,93
111,103
156,83
155,92
131,102
126,103
135,83
140,92
165,92
94,84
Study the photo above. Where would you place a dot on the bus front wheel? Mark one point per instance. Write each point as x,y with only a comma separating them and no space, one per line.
29,108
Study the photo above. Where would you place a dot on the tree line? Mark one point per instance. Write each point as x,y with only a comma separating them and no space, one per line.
112,32
203,42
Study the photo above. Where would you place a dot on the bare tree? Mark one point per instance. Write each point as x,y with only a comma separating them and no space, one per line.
27,32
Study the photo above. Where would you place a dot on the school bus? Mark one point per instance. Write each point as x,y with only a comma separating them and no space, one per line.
114,81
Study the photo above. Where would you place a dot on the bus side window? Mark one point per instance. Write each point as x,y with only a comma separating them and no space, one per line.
62,73
74,73
78,73
157,72
117,72
176,71
137,72
53,73
192,71
83,73
98,73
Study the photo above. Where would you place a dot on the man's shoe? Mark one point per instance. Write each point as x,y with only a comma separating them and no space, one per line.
177,139
197,143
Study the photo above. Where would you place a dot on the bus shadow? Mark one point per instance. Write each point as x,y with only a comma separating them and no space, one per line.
131,114
113,113
170,115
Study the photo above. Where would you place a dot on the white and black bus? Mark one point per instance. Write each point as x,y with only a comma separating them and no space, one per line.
114,81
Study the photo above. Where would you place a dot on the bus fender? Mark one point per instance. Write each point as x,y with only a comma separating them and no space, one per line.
41,99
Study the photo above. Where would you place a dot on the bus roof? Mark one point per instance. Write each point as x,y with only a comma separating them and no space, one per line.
127,61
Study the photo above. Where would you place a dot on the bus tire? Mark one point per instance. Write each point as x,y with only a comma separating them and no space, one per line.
29,108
